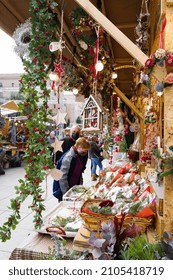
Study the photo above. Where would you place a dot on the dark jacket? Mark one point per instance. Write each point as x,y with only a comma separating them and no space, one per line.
72,167
94,151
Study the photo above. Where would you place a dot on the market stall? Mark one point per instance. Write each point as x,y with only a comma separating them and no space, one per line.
120,192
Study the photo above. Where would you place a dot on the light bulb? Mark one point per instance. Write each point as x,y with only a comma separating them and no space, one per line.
99,65
52,76
75,91
114,75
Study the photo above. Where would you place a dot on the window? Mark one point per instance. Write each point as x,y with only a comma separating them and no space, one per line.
91,115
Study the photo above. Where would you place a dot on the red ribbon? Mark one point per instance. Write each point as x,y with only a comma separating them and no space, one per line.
161,34
53,85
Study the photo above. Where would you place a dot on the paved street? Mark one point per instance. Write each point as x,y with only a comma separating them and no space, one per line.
25,227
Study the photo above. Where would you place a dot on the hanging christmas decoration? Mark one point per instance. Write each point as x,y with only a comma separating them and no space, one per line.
57,46
22,38
57,145
142,28
59,118
93,48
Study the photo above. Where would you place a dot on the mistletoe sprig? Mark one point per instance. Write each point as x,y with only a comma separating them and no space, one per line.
33,86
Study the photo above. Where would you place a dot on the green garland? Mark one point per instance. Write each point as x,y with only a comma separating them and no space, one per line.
33,87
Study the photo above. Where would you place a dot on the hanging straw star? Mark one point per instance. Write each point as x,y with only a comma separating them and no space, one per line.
57,145
59,118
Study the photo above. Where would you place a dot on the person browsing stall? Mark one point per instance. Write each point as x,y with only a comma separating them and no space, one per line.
69,141
72,166
95,156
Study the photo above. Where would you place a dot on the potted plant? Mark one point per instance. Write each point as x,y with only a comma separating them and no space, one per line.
107,244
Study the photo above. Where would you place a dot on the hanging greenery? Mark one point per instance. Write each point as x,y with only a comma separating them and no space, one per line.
33,86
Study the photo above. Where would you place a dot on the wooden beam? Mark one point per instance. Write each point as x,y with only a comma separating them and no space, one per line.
126,25
108,37
123,40
8,22
11,9
125,60
128,102
115,33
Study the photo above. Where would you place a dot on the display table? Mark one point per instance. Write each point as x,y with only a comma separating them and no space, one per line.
36,247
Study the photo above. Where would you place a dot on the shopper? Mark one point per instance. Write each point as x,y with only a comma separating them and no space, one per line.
95,156
72,166
69,141
51,137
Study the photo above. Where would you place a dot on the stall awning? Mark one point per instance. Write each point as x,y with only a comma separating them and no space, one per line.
9,107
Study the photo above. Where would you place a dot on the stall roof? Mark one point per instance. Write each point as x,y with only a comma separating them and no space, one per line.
10,105
123,14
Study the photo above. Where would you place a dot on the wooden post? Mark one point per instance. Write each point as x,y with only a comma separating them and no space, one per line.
168,128
128,102
168,140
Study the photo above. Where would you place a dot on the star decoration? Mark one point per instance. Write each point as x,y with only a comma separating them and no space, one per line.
58,69
59,118
57,145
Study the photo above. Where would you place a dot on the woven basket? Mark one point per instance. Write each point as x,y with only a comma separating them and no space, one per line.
94,221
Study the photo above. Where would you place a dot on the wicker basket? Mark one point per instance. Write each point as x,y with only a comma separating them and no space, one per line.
94,221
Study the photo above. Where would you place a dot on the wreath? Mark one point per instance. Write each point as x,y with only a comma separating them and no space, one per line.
22,38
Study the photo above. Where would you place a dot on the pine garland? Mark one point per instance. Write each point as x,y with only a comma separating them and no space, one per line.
33,85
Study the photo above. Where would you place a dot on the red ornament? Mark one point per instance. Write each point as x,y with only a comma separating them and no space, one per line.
58,69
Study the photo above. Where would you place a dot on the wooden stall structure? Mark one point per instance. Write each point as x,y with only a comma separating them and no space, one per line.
165,8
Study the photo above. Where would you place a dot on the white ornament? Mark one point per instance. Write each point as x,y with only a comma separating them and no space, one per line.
54,46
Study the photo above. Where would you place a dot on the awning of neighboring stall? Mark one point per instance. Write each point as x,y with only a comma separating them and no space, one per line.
9,107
